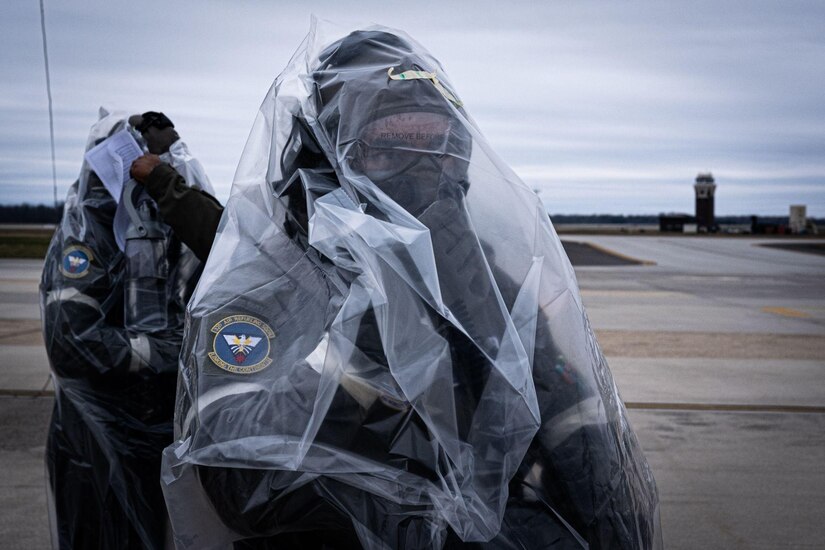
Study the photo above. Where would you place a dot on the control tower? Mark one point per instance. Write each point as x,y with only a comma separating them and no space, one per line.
705,187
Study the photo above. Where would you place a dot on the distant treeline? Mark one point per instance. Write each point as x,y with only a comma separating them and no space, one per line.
30,213
653,219
41,213
604,218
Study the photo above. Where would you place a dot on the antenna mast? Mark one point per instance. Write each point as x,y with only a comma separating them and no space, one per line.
49,94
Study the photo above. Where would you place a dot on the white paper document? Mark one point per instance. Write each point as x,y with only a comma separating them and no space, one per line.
111,160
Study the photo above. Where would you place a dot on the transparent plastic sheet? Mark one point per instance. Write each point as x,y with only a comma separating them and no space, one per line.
179,157
114,388
387,347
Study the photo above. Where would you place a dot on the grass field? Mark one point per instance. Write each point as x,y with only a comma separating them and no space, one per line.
24,243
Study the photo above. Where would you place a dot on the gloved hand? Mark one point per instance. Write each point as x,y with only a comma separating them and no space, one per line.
143,166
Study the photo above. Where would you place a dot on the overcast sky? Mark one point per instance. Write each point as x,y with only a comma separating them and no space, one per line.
605,107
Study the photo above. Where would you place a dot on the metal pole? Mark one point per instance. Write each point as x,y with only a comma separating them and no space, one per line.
49,94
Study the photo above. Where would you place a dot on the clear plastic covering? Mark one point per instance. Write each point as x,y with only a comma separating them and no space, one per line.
387,347
179,157
114,387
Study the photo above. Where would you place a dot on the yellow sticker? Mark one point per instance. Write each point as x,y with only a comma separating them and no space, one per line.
419,75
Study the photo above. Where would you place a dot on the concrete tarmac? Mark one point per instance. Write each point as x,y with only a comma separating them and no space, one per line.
717,349
718,324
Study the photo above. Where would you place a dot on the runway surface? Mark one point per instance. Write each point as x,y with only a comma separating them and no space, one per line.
717,347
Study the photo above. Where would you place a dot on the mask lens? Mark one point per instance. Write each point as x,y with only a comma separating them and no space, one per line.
384,164
391,145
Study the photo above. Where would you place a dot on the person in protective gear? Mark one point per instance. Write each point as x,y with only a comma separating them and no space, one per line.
192,213
387,348
114,385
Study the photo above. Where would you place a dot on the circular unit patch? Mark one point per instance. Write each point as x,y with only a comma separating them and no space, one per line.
241,344
76,261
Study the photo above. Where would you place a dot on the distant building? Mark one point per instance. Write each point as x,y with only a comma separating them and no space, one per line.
674,223
798,218
767,228
705,187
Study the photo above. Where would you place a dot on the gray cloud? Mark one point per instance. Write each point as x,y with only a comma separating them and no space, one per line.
603,106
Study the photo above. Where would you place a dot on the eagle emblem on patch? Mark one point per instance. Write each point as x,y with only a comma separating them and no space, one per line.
241,344
76,261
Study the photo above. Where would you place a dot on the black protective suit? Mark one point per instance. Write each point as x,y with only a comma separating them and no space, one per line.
387,348
114,388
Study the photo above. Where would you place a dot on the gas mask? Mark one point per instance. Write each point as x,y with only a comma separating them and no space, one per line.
415,158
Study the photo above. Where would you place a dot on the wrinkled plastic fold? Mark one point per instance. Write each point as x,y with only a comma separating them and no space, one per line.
114,387
387,347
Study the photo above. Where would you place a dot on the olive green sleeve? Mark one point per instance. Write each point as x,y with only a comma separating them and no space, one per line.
192,214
